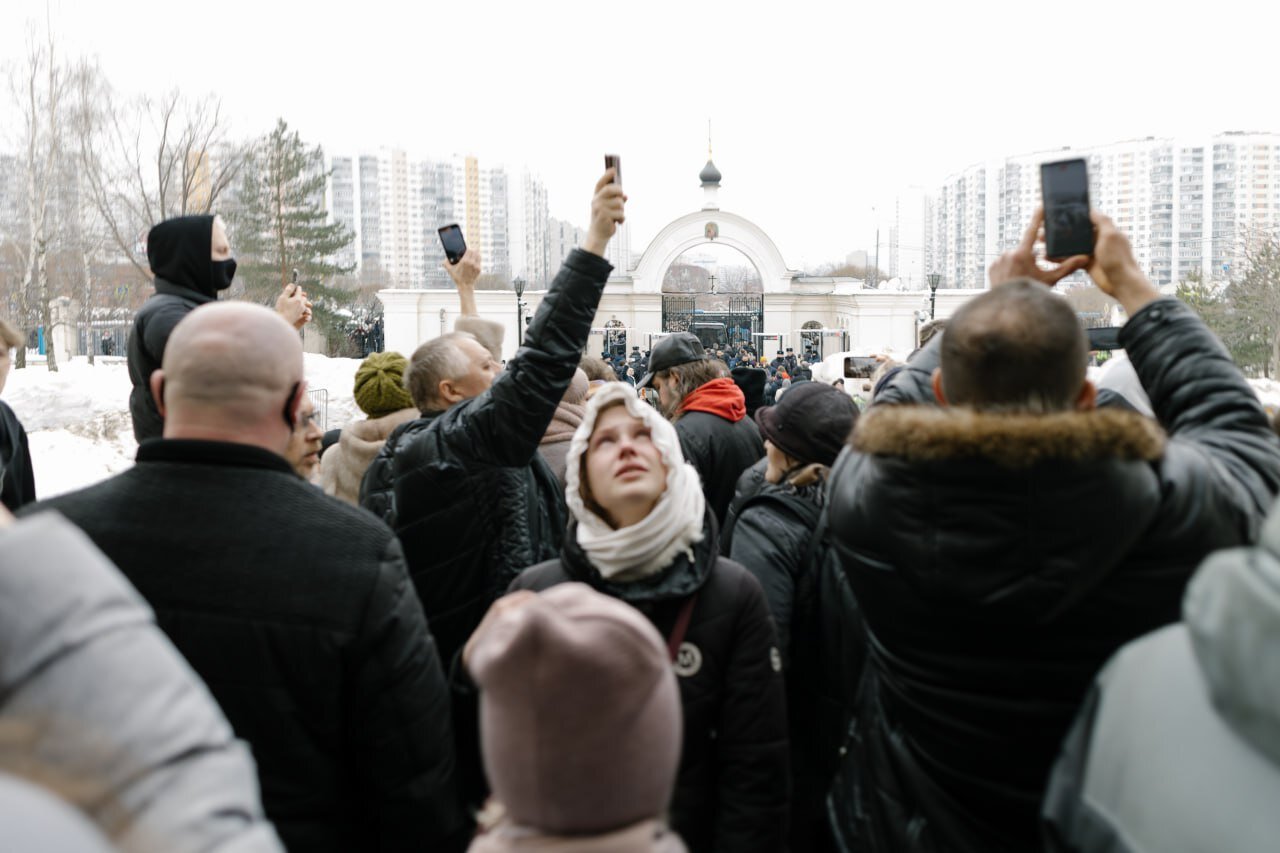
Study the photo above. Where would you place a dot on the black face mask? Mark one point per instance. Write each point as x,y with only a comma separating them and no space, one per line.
223,272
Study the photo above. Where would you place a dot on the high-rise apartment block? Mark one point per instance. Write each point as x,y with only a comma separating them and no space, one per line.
395,204
528,222
1189,206
562,238
618,252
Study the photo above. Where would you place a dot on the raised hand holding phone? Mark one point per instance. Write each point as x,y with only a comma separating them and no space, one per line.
608,211
292,303
466,270
1021,261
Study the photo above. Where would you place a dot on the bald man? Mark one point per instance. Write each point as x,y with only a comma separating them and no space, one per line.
294,607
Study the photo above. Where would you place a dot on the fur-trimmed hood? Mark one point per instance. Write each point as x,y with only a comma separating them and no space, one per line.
342,466
931,434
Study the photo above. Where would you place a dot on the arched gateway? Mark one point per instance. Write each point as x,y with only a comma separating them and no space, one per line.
743,312
828,314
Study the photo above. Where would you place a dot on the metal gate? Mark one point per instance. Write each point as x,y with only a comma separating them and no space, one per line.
741,313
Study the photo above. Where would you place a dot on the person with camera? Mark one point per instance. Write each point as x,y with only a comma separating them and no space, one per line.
474,502
190,256
1005,538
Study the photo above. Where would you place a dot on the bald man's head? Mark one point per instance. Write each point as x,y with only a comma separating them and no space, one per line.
1017,348
230,366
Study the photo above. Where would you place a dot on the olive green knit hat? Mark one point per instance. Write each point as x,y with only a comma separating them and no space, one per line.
380,387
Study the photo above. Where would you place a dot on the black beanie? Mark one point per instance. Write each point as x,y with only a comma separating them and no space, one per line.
179,251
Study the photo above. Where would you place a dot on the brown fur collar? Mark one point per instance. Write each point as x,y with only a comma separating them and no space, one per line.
929,433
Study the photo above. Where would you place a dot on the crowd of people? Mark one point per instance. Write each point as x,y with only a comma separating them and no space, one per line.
689,599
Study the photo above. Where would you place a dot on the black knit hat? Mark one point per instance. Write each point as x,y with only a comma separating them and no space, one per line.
811,423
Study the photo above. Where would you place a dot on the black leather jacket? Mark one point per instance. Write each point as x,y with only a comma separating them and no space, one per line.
474,502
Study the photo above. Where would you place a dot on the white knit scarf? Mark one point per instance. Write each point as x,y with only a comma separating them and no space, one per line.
675,523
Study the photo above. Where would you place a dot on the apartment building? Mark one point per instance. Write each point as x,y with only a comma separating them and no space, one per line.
395,203
562,238
1188,205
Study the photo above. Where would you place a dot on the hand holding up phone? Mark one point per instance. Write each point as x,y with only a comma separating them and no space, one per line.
1114,269
293,305
466,271
1021,262
608,211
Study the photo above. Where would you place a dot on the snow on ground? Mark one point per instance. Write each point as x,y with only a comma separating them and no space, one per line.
1268,391
78,423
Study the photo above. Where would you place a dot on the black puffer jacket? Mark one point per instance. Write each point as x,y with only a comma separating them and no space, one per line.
749,484
179,251
296,610
731,791
474,501
17,480
780,537
377,487
1000,560
770,538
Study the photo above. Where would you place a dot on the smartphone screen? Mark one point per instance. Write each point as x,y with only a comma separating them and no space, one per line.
614,161
1067,229
454,246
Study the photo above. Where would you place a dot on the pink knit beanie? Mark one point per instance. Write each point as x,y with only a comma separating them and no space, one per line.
580,715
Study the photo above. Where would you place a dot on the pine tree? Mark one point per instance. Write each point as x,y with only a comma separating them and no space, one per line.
1255,302
278,224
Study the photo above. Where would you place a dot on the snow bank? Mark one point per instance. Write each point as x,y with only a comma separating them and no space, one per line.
78,422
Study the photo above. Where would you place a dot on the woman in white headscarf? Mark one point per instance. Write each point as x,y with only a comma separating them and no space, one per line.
641,532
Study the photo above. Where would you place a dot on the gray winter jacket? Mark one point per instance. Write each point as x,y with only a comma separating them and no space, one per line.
1177,749
97,706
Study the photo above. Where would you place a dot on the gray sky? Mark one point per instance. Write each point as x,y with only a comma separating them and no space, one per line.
820,111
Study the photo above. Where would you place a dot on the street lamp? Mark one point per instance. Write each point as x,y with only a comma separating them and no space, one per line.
520,306
934,278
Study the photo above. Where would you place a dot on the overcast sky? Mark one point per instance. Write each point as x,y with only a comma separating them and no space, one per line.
820,111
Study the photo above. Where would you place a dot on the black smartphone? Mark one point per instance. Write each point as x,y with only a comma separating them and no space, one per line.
454,246
1104,338
614,161
1064,185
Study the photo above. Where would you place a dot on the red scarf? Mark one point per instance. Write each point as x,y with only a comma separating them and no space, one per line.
718,397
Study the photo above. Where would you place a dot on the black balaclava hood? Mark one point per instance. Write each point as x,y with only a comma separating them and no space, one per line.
179,251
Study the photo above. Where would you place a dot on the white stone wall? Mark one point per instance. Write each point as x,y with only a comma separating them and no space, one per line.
877,320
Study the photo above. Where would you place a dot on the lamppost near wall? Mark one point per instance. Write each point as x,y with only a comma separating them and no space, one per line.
520,306
934,278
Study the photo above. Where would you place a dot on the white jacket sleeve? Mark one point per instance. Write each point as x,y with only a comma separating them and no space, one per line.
99,708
